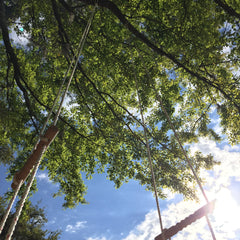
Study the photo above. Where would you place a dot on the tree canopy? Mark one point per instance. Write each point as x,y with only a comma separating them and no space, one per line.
30,225
184,52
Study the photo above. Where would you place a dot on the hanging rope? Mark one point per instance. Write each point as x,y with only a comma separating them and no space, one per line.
42,149
18,186
187,159
79,53
181,146
5,216
23,198
149,157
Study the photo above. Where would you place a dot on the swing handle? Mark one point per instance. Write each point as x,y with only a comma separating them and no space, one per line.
44,142
203,211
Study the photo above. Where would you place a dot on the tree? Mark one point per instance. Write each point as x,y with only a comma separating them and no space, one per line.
30,224
168,48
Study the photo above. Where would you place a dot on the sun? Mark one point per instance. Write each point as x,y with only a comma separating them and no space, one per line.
226,211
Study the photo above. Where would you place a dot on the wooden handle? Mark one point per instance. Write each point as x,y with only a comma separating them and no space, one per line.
45,141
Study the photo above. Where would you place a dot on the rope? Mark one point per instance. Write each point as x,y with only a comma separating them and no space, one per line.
150,160
80,48
181,146
23,199
76,56
187,159
3,221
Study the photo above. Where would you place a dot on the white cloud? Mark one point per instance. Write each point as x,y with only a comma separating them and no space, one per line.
224,218
53,221
19,39
177,109
68,105
148,229
43,177
170,195
226,50
229,156
74,228
217,127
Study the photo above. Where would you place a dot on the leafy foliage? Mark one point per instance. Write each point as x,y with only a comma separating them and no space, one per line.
172,48
30,224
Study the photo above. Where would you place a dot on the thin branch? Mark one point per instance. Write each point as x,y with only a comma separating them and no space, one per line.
134,118
71,9
7,79
61,31
108,105
89,109
202,115
228,9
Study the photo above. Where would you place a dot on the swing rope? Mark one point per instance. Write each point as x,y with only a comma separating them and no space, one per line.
3,220
44,147
6,214
187,159
79,53
181,146
149,157
23,198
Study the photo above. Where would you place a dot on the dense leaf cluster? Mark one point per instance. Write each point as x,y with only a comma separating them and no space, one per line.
30,225
175,49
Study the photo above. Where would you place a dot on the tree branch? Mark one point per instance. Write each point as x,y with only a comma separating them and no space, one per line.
228,9
89,109
17,72
159,50
108,105
134,118
13,58
202,115
61,31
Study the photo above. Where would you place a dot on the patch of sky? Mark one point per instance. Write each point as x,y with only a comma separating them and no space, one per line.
171,74
44,113
170,133
235,188
231,32
181,56
227,27
70,102
215,124
18,35
115,213
141,25
81,58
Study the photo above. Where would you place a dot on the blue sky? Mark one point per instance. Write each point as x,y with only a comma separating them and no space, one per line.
130,213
